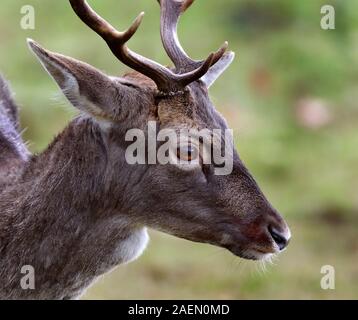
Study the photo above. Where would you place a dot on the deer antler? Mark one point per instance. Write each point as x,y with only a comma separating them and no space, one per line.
171,10
166,80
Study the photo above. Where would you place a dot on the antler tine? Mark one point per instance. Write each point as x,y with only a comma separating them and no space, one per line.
166,80
213,58
219,54
192,76
129,33
186,4
171,10
117,43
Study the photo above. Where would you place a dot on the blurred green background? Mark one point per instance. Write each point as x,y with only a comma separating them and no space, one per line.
291,97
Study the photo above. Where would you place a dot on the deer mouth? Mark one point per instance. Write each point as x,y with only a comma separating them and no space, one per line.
255,254
262,244
259,239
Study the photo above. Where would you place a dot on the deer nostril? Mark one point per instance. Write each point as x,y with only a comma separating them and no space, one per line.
281,239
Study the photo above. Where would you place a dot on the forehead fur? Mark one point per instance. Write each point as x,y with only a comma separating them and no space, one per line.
191,108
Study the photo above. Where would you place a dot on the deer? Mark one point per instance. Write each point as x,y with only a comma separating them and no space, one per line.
77,210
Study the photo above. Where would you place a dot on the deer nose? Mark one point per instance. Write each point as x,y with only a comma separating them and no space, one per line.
281,238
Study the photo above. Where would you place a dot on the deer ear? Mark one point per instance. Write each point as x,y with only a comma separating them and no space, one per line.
85,87
218,69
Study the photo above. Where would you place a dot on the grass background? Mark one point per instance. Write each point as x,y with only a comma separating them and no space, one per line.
310,173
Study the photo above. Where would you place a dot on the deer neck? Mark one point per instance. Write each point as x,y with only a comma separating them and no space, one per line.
63,225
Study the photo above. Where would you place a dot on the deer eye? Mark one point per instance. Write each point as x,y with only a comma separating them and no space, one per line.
187,153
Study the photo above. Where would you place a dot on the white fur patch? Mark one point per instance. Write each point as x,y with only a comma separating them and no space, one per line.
134,246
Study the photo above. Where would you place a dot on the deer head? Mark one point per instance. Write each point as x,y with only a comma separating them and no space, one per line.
190,202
